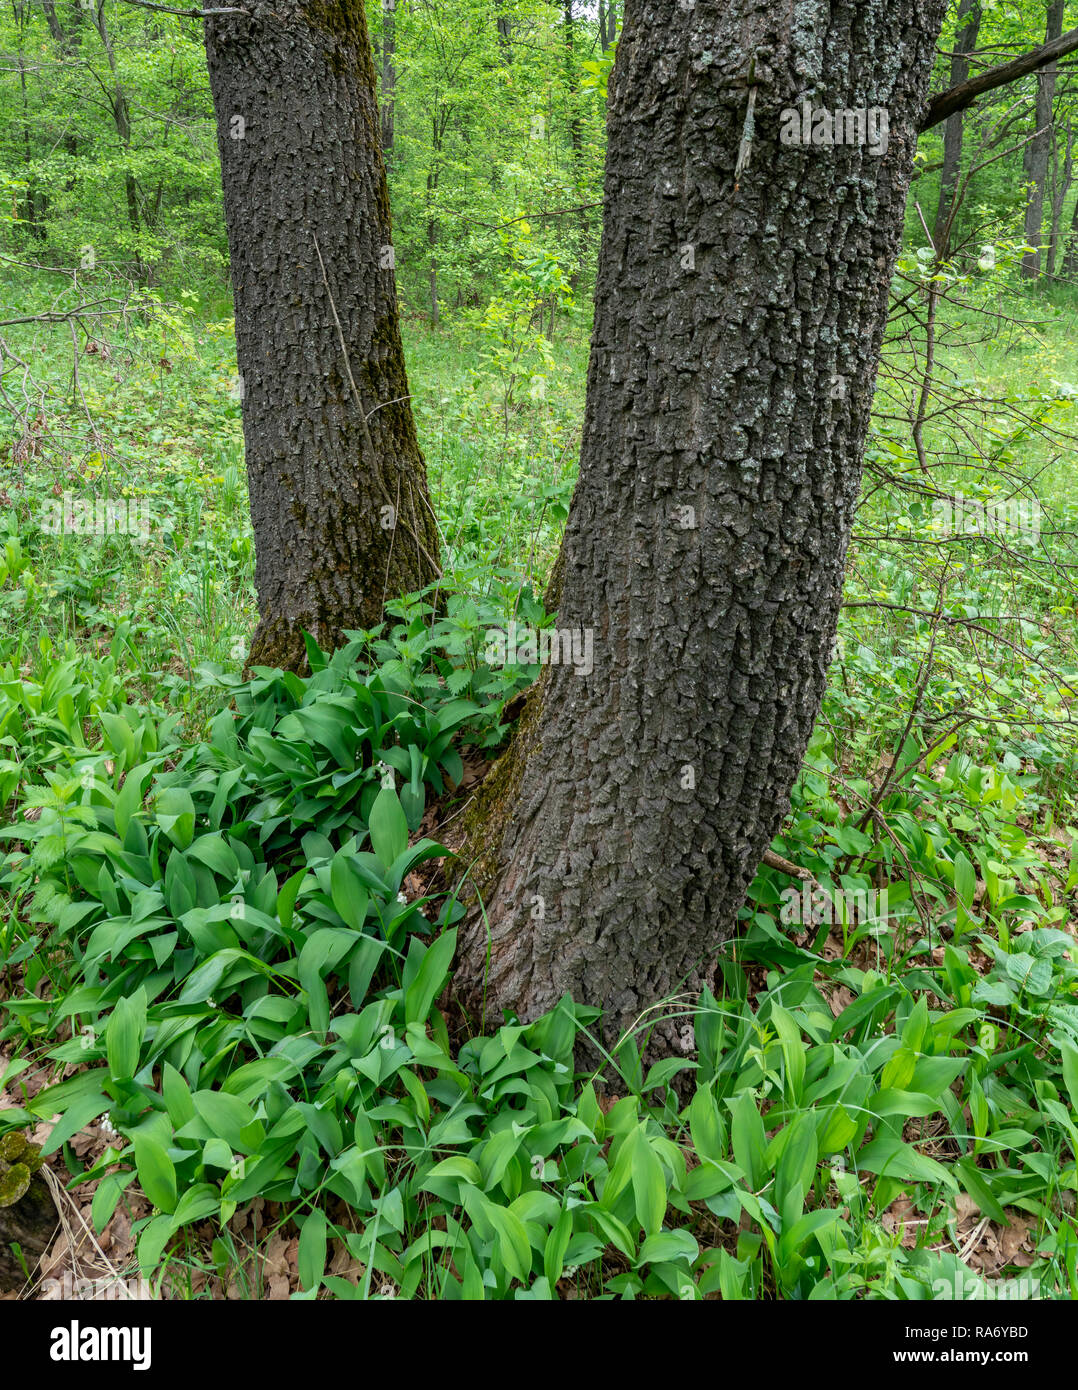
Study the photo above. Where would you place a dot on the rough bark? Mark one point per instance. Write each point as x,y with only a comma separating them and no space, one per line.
1038,152
967,28
56,29
737,332
339,501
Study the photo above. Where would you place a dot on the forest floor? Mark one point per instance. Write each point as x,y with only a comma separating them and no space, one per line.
886,1097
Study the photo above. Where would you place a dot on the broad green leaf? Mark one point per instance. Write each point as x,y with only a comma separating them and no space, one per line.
748,1138
513,1244
227,1116
796,1166
348,894
668,1245
129,798
388,827
123,1035
321,951
457,1167
313,1244
175,813
1069,1057
793,1051
705,1125
212,851
156,1172
430,978
649,1185
556,1245
286,898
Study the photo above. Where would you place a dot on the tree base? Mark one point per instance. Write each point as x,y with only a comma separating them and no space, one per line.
28,1224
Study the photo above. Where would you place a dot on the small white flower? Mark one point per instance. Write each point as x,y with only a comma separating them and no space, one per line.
106,1125
403,898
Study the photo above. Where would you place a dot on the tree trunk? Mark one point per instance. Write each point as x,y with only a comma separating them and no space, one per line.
967,28
738,322
1039,150
1061,188
339,502
30,1225
36,201
438,123
28,1216
389,76
505,32
121,119
576,141
1069,269
68,41
608,22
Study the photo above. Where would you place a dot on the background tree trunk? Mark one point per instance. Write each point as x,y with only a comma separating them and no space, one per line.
338,487
967,28
608,22
121,116
505,32
576,141
737,330
1060,188
1069,268
389,76
1039,149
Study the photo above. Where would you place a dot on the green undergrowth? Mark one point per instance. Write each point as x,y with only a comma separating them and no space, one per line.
226,950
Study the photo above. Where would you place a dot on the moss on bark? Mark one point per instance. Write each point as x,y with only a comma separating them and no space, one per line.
28,1214
486,823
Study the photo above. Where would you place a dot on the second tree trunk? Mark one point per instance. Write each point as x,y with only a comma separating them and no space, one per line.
339,503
